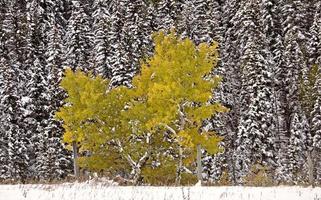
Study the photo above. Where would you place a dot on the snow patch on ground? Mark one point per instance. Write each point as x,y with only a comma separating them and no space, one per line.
108,191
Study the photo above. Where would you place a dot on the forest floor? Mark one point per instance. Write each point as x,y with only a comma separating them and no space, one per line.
99,191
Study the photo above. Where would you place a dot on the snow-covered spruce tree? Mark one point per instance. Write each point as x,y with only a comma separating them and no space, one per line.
55,44
213,164
35,112
78,39
52,160
256,128
308,79
4,62
308,97
302,23
168,13
118,61
129,38
310,9
35,104
228,92
57,157
270,12
28,72
295,37
216,25
316,126
195,20
18,140
295,66
101,24
314,44
270,20
200,20
295,153
3,11
152,15
4,159
33,53
137,32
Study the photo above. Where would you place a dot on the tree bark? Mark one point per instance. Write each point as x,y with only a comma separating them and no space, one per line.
179,166
180,149
138,168
75,158
310,167
199,163
180,156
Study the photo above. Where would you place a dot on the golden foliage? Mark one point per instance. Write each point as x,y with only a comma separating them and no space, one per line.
177,78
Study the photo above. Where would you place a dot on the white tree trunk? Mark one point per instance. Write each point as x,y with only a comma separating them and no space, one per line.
180,154
179,166
199,164
180,149
75,158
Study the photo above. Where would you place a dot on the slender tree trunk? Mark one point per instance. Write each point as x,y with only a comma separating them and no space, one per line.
137,176
179,166
140,165
180,149
75,157
311,167
199,163
180,156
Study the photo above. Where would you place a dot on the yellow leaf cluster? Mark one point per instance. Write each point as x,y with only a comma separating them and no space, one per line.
179,75
91,112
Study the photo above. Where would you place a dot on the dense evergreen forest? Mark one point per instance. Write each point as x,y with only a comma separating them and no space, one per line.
269,58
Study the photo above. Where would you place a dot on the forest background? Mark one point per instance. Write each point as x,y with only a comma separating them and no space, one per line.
269,58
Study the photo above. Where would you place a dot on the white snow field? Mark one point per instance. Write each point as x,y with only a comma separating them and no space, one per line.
103,192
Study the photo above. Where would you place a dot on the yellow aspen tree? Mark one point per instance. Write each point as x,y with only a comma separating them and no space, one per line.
99,120
174,87
91,118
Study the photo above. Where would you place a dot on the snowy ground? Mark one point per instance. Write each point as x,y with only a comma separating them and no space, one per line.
104,192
